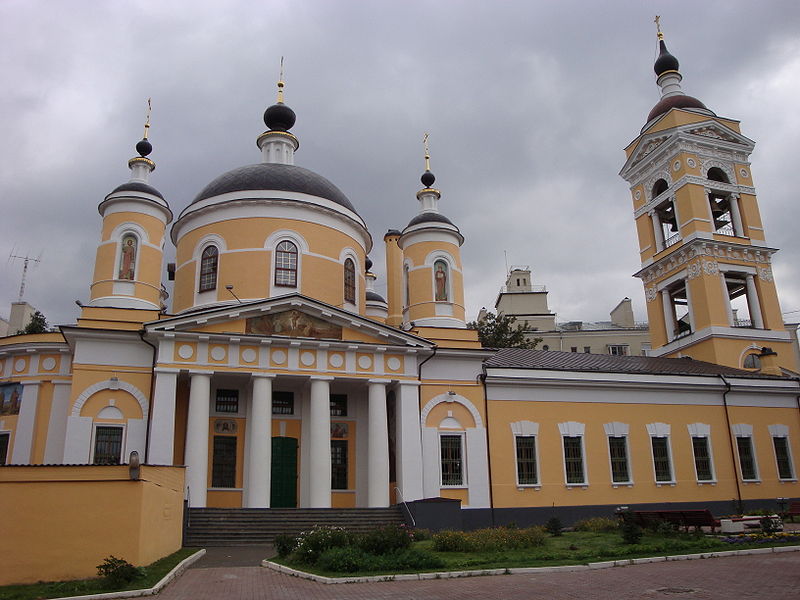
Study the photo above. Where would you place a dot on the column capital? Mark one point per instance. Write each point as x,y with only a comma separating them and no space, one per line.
30,382
262,375
321,378
408,383
382,381
166,371
194,373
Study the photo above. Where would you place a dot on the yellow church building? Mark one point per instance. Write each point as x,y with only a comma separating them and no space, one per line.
279,378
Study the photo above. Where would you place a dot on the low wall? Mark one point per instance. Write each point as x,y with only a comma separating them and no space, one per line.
60,522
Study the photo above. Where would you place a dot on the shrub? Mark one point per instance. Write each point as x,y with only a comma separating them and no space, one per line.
488,540
420,535
411,558
284,544
553,526
118,572
451,541
311,544
663,528
631,532
348,559
385,539
597,525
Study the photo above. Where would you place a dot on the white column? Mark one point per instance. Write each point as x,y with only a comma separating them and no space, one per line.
162,418
689,306
197,438
409,442
57,427
319,443
259,463
736,215
26,424
378,446
669,315
753,303
658,231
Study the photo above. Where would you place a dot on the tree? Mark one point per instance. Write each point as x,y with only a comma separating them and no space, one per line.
37,324
499,331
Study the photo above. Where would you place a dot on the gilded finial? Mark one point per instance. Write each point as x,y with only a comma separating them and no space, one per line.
147,118
280,84
427,151
657,21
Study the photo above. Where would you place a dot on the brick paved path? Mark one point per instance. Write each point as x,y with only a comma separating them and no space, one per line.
764,576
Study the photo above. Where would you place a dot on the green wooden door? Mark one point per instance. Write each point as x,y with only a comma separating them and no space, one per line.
284,473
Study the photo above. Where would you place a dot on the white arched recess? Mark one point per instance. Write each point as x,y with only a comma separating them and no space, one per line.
475,457
78,446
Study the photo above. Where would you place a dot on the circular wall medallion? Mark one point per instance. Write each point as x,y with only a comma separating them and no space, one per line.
365,362
248,355
278,357
744,173
638,194
185,351
393,363
307,358
691,162
218,353
336,360
19,365
676,165
49,363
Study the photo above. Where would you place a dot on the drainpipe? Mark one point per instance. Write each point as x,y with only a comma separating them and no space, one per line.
730,439
152,391
482,377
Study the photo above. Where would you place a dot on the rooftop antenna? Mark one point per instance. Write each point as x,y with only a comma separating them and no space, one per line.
25,261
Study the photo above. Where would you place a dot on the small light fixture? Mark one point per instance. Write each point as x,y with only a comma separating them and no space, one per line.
229,287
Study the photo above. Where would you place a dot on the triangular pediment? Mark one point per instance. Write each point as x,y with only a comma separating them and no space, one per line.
287,317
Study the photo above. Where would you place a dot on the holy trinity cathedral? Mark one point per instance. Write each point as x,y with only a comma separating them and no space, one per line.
280,378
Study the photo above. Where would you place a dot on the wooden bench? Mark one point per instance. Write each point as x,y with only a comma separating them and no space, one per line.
684,518
794,510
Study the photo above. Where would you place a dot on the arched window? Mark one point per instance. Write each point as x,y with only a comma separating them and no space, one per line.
659,187
208,269
286,264
717,174
752,361
441,285
406,287
349,281
127,257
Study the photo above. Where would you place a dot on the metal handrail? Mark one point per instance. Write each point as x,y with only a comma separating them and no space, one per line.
399,493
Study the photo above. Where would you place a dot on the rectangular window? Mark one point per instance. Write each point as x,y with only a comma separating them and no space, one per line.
618,453
223,469
338,405
107,445
4,441
783,457
282,403
747,459
661,459
587,349
573,459
573,349
338,464
702,458
526,460
227,401
452,463
618,349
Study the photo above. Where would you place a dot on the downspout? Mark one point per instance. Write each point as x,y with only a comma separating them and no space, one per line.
482,377
730,439
152,392
419,378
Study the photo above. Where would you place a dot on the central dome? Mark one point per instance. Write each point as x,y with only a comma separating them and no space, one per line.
274,176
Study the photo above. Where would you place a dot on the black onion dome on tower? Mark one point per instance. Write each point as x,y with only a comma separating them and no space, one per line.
144,147
665,61
427,178
367,264
279,117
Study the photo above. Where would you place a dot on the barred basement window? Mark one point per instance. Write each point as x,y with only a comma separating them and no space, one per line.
452,463
338,464
702,459
618,454
783,457
208,269
223,468
338,405
107,445
747,459
526,460
661,459
573,459
227,401
4,440
282,403
349,281
286,265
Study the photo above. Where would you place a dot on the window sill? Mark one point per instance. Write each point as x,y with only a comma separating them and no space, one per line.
461,486
792,480
707,482
752,481
530,486
618,484
663,483
571,486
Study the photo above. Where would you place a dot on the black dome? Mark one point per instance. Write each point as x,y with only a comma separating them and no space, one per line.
427,179
279,117
374,296
144,147
368,264
272,176
665,61
430,217
135,186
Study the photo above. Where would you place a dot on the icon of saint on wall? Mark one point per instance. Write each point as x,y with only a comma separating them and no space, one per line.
127,260
440,280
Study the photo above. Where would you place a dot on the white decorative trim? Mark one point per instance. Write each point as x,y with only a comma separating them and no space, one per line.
726,167
658,429
446,397
616,429
699,430
110,385
742,430
524,428
778,430
572,428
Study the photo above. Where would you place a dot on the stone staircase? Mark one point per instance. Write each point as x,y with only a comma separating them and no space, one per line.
253,526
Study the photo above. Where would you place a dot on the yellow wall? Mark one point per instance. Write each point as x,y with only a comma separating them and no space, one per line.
67,519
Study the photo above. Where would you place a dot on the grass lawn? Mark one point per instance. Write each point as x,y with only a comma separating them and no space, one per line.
80,587
571,548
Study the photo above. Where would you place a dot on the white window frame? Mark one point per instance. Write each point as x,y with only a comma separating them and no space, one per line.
702,430
462,437
661,430
780,431
573,429
271,246
527,429
744,430
123,440
617,429
626,349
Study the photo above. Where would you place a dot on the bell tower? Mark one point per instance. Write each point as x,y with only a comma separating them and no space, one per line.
706,264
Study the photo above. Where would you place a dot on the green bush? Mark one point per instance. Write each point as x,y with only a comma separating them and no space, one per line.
489,540
284,544
420,535
631,532
385,539
311,544
451,541
597,525
348,559
412,558
352,559
554,526
118,572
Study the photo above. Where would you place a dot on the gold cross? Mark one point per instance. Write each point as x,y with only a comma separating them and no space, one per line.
658,27
427,151
147,117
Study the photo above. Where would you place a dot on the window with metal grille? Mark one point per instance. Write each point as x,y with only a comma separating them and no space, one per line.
349,281
227,401
526,460
338,405
208,269
783,457
452,463
747,459
107,445
338,464
223,468
573,459
702,459
661,461
282,403
618,453
286,265
4,441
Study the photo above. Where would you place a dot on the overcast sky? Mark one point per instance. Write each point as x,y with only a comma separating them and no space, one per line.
528,104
